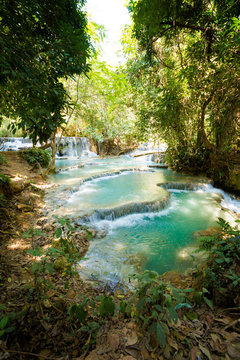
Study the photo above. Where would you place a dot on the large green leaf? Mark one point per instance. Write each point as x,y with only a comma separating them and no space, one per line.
161,338
173,313
208,302
107,306
58,232
78,311
3,322
50,268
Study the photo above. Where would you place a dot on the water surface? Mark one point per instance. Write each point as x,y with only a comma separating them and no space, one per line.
159,241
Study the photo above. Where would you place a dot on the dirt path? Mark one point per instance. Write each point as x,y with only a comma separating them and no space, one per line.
18,167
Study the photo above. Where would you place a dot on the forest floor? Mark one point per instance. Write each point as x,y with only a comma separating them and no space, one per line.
35,306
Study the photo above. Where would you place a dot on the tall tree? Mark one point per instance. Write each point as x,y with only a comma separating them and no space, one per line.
189,77
40,43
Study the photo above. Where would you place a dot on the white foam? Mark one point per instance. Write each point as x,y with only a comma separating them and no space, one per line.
134,219
84,189
228,202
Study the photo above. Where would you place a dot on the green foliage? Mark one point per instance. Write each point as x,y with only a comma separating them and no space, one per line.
107,307
36,156
156,304
5,131
3,159
31,233
5,188
78,312
61,256
207,243
200,296
8,321
3,325
3,201
185,79
102,110
41,42
221,275
86,312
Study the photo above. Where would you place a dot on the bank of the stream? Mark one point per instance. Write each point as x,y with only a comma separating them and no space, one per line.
39,312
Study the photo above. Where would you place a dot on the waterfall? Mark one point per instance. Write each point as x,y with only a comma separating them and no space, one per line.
127,209
75,147
15,144
227,202
183,186
69,146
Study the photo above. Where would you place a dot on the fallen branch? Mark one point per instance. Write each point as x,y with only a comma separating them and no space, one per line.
149,153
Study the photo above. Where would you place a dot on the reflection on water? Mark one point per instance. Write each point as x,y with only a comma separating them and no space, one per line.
117,190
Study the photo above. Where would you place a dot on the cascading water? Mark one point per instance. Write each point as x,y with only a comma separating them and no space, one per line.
15,144
105,196
75,147
69,146
228,201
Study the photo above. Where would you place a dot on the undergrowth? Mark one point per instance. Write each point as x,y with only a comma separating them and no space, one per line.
36,156
221,272
155,305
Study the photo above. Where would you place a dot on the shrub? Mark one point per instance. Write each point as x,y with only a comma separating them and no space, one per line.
221,273
155,304
36,156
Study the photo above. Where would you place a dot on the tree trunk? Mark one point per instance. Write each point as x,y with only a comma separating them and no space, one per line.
202,140
52,166
45,146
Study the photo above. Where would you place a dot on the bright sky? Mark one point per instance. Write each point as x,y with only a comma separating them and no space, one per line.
113,15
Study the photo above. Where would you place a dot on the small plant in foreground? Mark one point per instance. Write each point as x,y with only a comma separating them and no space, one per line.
155,304
90,314
221,274
8,321
31,233
5,187
62,257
